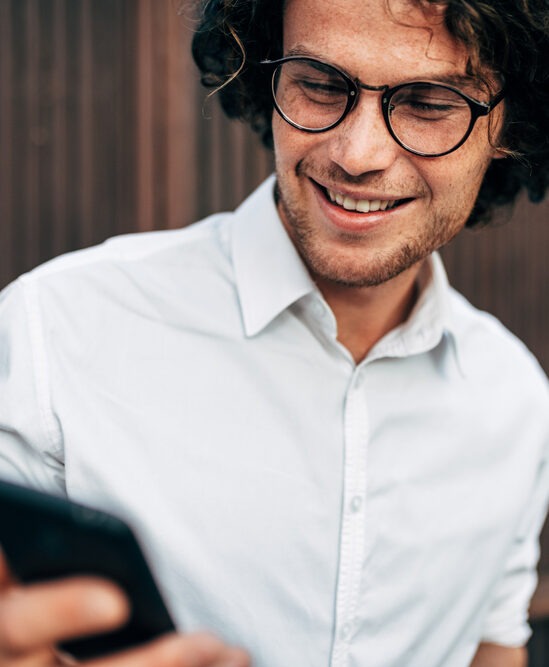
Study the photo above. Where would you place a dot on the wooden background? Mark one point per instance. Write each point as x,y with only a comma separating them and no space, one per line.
104,129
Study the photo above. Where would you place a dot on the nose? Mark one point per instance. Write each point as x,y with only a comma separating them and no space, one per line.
362,143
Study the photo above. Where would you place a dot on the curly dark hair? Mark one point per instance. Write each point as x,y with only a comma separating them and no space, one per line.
511,37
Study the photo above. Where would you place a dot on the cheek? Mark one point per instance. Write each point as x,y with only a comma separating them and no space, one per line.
458,176
283,146
292,146
280,141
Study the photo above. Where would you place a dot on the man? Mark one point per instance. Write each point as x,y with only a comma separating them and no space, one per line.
330,456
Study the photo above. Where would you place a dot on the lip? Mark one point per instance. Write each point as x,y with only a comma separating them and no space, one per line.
354,221
371,196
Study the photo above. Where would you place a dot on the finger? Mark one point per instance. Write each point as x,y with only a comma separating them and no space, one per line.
196,650
43,614
42,658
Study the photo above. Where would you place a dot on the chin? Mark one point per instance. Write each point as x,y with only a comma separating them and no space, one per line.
370,270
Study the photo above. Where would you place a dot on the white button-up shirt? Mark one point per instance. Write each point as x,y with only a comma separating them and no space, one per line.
318,512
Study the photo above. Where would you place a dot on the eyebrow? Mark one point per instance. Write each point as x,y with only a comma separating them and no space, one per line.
456,80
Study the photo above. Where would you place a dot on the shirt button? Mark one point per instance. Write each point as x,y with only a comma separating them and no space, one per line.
346,631
356,504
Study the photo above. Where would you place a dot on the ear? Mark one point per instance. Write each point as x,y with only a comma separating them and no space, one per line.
496,132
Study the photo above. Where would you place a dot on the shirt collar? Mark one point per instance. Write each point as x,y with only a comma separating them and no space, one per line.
270,276
269,273
430,322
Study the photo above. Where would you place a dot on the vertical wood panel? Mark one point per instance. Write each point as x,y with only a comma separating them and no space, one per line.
86,98
40,132
145,116
71,73
58,174
160,92
31,102
182,178
125,94
7,268
19,133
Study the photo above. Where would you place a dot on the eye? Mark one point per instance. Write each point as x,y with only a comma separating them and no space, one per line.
427,108
323,89
428,102
310,82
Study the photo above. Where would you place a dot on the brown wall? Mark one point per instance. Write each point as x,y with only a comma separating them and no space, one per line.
66,106
104,130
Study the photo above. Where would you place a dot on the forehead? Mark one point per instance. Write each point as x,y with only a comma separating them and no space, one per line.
378,41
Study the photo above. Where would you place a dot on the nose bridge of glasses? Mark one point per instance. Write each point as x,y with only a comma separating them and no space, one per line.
375,89
369,122
368,88
365,86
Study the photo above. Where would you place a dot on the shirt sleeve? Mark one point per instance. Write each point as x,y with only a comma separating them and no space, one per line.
507,620
31,449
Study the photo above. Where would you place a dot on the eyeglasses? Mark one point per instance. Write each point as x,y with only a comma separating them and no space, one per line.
425,118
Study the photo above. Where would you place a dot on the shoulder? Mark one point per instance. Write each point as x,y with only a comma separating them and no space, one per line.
127,276
206,236
492,354
132,268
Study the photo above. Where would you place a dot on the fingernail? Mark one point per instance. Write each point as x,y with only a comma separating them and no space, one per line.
106,602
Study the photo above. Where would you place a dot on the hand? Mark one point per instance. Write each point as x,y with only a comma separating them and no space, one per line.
34,618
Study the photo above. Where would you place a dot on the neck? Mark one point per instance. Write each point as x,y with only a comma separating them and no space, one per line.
365,314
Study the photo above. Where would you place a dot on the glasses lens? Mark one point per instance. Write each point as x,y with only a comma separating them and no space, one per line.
310,94
429,118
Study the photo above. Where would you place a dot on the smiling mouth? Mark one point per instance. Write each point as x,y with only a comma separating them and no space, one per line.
361,205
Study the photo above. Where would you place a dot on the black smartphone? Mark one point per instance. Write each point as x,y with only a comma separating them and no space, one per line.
46,537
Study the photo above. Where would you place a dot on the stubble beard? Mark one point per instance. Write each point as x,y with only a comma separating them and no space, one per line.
354,264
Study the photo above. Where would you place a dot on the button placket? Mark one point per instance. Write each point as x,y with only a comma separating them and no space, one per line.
352,537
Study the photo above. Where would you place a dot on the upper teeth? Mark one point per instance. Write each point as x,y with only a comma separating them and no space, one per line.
361,205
